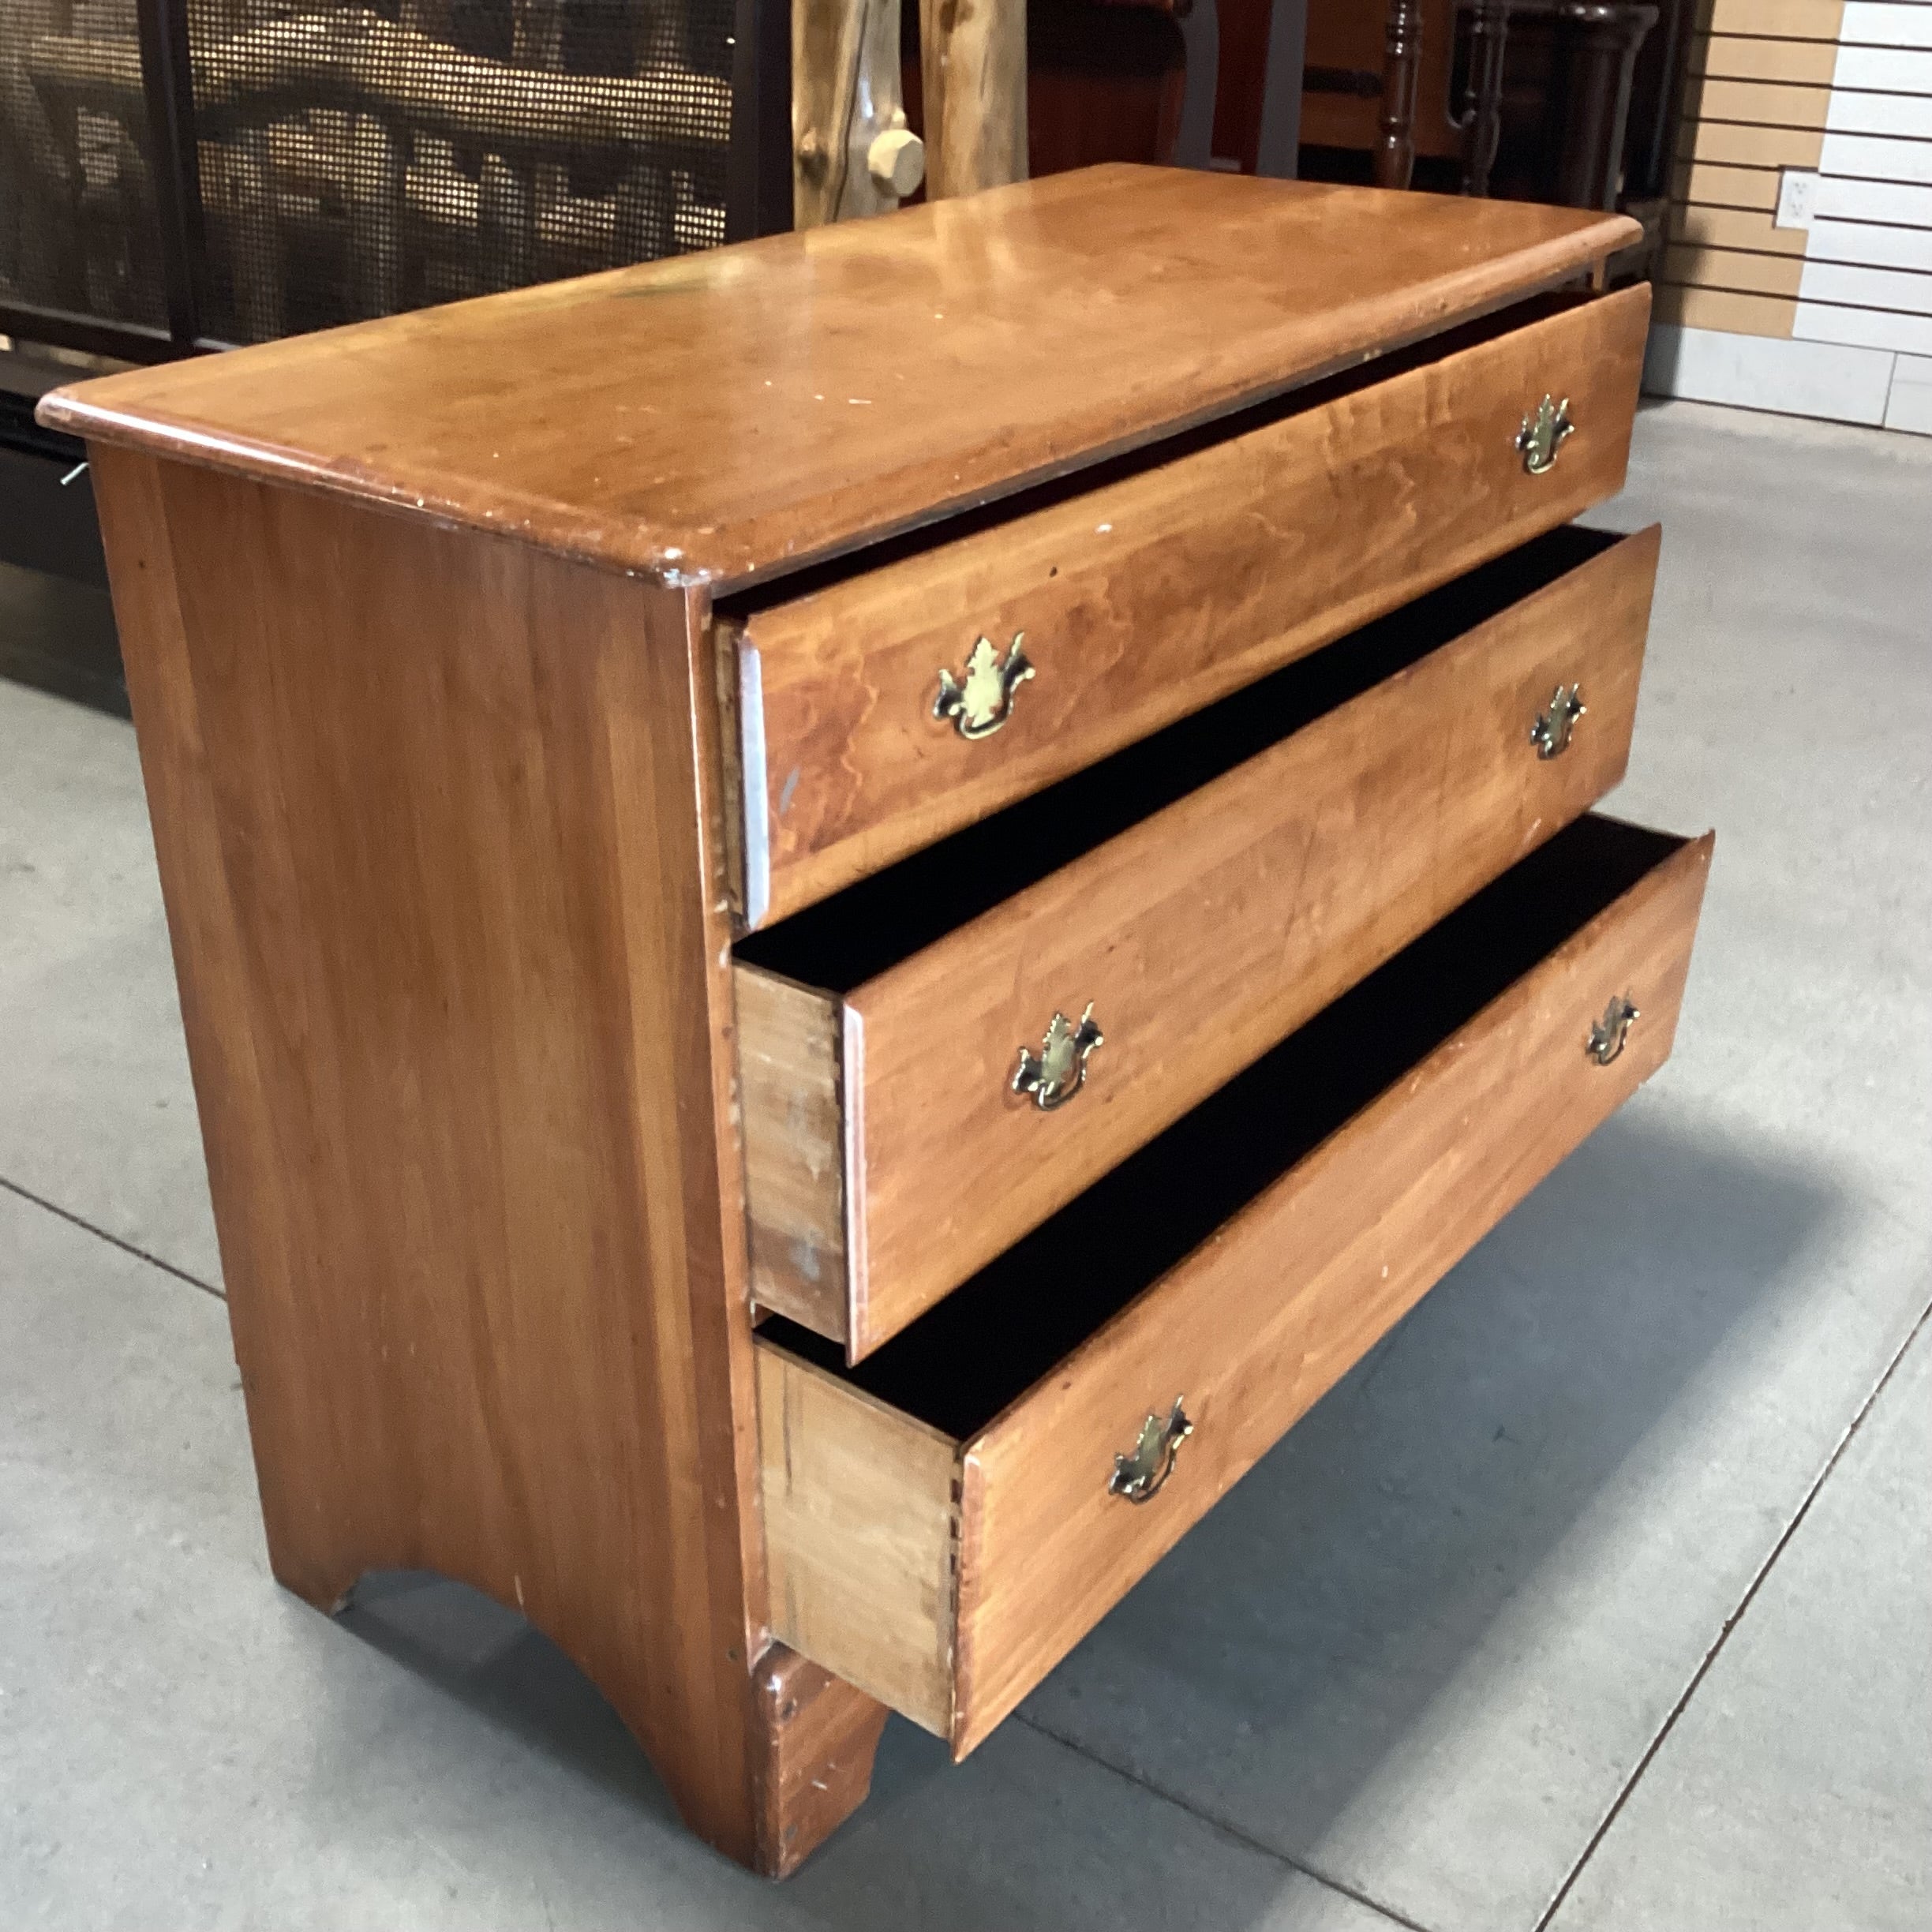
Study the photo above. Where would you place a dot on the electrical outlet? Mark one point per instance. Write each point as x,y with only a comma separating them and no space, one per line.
1797,198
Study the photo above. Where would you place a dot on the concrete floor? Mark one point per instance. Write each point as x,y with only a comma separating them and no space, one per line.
1599,1596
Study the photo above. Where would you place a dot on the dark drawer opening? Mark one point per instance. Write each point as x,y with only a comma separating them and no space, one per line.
959,1366
858,932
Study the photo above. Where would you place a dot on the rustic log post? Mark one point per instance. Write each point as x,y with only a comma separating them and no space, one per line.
973,74
852,151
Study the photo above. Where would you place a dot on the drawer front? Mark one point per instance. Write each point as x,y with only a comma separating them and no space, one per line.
1372,1220
1142,599
949,1585
1196,940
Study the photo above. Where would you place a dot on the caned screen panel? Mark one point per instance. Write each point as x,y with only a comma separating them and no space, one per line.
79,231
357,160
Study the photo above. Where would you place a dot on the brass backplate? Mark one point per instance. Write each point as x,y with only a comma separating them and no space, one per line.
979,703
1139,1476
1550,730
1608,1034
1059,1071
1545,431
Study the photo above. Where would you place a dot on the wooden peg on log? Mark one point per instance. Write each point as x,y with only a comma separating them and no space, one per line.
852,151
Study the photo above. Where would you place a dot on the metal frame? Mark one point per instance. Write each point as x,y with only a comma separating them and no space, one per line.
131,342
758,195
174,162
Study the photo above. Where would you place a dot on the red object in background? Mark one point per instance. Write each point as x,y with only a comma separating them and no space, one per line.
1105,80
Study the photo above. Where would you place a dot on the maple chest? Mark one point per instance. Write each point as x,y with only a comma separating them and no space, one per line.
850,913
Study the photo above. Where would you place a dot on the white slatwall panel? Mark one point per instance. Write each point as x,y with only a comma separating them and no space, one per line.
1875,201
1870,243
1865,157
1865,288
1769,372
1906,114
1886,23
1863,328
1909,405
1860,345
1867,277
1890,70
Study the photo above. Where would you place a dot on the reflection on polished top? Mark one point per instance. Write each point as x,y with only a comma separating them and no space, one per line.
719,418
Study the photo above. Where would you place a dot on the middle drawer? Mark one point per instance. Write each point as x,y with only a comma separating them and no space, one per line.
935,1061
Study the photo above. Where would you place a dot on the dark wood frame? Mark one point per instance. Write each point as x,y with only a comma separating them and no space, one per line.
1604,38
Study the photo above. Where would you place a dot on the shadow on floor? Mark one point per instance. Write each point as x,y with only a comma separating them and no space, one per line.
1295,1638
493,1661
1300,1634
58,635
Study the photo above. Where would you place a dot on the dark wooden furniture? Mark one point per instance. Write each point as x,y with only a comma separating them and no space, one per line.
1599,42
1376,78
829,979
1402,65
1590,55
1162,81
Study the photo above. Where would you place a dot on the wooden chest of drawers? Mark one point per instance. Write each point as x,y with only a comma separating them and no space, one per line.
851,913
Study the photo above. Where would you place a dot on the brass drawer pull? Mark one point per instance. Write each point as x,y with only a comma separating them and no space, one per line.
983,702
1543,433
1608,1034
1140,1476
1550,733
1059,1071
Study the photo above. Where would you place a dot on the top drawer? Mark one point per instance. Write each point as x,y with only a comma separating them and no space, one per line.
1143,598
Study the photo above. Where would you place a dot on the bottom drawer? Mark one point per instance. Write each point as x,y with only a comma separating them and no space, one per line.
944,1522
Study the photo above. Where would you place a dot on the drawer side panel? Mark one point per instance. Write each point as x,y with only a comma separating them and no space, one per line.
859,1530
789,1093
1261,1321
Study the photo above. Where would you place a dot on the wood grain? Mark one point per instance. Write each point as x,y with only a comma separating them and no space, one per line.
1762,103
1721,309
820,1736
1734,57
1798,19
1373,1219
731,415
1726,187
1746,273
789,1049
1142,599
973,86
1736,144
1201,936
443,899
1734,228
1250,1329
859,1529
427,685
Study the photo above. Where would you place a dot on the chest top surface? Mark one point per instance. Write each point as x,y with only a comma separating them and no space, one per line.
722,417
